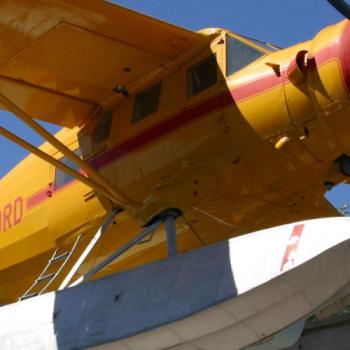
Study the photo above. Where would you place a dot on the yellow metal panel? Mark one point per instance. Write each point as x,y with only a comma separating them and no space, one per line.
267,122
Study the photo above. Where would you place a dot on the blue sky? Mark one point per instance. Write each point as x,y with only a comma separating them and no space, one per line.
283,22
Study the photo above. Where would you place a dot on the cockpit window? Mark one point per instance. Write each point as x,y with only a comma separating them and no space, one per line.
263,44
239,55
62,178
202,75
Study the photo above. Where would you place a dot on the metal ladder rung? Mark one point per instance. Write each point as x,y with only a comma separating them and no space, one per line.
46,277
50,277
100,232
59,257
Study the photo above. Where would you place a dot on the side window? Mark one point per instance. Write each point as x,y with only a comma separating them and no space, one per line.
61,178
146,102
239,55
202,75
103,128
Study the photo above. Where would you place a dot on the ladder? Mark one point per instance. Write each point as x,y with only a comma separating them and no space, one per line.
51,271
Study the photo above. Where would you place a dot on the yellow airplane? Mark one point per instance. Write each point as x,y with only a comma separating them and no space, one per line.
236,134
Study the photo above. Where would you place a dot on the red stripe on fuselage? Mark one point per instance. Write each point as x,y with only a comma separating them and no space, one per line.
154,133
39,197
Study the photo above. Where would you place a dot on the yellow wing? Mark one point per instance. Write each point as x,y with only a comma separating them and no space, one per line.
59,59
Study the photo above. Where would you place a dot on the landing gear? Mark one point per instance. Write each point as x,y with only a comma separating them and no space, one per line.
344,163
167,217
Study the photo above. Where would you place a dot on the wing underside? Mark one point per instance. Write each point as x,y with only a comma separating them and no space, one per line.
60,59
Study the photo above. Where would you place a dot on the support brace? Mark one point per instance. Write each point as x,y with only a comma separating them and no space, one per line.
120,198
88,249
168,217
47,158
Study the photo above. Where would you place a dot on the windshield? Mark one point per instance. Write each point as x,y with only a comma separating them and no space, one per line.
263,44
240,54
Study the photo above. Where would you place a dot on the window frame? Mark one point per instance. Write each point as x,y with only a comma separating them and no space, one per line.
246,42
158,85
110,115
189,93
65,160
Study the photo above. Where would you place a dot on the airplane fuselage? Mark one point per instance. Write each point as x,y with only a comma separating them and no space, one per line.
236,147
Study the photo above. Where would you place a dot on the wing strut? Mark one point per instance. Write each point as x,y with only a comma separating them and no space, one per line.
341,6
47,158
101,231
97,182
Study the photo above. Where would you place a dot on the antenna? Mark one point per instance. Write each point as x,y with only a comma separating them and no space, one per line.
342,6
